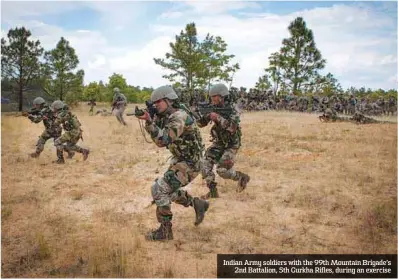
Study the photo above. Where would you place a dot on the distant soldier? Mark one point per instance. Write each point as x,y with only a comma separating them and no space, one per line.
174,127
92,103
73,132
103,112
119,104
360,118
226,140
42,112
329,115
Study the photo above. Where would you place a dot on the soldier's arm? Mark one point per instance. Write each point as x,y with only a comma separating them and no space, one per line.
36,116
171,132
230,124
203,121
60,118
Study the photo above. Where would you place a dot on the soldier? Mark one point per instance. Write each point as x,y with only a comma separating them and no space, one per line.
119,105
42,112
73,132
92,103
174,127
226,140
330,115
360,118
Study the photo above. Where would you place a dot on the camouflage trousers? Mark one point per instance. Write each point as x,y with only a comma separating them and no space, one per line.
224,159
44,137
67,142
167,189
118,112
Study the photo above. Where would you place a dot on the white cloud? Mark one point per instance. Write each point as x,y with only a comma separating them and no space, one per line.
215,7
118,15
99,61
171,15
348,37
13,10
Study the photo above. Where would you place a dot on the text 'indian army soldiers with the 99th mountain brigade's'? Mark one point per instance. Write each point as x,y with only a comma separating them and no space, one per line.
174,127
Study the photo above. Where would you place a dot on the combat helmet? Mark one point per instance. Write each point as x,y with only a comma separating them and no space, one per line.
219,89
39,101
163,92
57,105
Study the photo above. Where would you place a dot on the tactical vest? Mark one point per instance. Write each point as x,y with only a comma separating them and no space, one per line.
223,137
70,121
189,146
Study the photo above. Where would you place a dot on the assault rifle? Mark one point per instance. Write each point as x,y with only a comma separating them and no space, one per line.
203,109
150,108
31,114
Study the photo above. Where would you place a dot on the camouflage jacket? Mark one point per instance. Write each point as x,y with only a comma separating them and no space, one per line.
225,132
47,116
119,100
69,122
179,133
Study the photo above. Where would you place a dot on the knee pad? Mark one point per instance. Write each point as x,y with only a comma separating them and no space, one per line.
160,197
41,141
222,172
171,179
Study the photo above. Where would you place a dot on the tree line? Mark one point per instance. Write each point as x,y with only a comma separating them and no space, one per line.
191,64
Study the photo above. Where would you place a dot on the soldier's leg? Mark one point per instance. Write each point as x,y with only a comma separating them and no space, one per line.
119,115
40,144
212,155
121,112
225,169
167,189
179,175
71,146
60,146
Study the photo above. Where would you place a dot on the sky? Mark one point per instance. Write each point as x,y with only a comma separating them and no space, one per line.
357,39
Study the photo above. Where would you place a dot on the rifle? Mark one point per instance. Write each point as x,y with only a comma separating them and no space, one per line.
203,109
31,114
150,108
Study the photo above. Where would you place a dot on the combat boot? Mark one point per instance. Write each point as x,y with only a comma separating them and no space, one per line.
35,154
85,154
60,161
70,154
243,180
213,192
164,232
60,156
200,206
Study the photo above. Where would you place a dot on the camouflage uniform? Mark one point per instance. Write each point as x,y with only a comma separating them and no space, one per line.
92,103
73,132
176,130
329,115
46,115
226,138
360,118
119,105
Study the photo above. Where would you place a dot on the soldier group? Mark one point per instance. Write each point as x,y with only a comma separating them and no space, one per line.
174,126
256,100
56,118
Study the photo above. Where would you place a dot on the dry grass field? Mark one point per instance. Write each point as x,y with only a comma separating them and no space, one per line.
315,188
